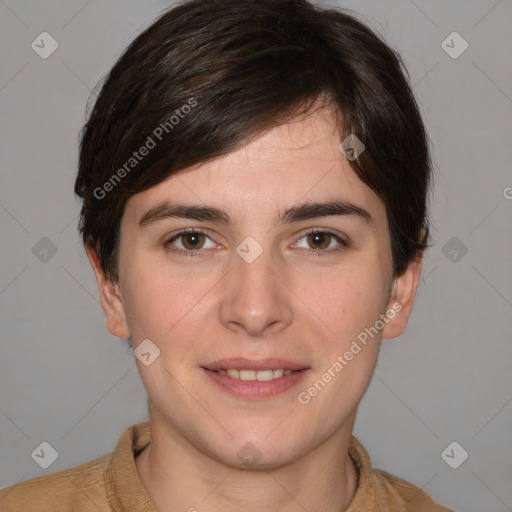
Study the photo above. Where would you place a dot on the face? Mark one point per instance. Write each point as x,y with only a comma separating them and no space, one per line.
259,275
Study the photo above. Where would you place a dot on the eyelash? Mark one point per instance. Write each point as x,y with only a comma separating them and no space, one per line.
198,252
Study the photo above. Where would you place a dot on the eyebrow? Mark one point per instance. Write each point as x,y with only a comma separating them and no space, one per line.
304,211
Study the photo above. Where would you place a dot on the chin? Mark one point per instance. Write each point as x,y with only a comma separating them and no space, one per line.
259,451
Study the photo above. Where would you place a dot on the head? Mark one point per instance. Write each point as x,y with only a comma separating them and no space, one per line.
232,120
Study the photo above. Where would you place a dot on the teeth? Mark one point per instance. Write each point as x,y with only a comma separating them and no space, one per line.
234,373
260,375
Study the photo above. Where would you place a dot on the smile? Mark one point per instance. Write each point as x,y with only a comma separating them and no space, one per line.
254,380
260,375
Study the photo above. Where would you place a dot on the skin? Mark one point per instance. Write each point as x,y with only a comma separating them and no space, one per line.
293,302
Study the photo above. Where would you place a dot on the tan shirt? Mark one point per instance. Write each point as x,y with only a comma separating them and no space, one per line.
111,483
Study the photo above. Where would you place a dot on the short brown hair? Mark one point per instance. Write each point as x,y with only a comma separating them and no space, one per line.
210,75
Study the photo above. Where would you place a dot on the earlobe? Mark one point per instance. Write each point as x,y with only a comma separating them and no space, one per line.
110,297
402,298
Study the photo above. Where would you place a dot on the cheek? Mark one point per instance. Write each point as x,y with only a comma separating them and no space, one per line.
351,307
163,309
346,303
144,301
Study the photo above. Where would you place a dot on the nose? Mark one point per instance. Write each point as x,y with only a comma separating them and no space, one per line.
255,298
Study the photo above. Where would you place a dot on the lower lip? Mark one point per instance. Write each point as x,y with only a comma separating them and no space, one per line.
255,389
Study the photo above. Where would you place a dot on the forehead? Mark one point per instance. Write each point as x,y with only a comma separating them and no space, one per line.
299,161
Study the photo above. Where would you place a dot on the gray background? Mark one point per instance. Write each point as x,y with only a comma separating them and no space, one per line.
67,381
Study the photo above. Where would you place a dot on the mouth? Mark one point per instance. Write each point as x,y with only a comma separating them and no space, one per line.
260,375
255,379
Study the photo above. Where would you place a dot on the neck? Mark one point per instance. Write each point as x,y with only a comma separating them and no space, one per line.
179,477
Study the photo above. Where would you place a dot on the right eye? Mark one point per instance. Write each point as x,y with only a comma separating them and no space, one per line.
189,242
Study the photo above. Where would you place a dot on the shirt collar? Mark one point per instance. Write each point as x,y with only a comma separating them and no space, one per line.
364,498
124,487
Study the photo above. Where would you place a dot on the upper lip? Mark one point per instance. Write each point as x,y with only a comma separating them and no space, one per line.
242,363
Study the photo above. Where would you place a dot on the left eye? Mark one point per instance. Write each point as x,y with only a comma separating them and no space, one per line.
321,240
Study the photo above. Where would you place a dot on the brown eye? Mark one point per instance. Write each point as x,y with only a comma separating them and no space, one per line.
319,240
190,242
193,240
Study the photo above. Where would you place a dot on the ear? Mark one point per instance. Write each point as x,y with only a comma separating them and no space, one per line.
110,297
402,298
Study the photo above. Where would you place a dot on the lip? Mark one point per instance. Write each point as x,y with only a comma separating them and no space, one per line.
253,364
253,389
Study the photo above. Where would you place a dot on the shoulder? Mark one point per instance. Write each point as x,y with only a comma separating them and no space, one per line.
380,490
414,498
80,488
